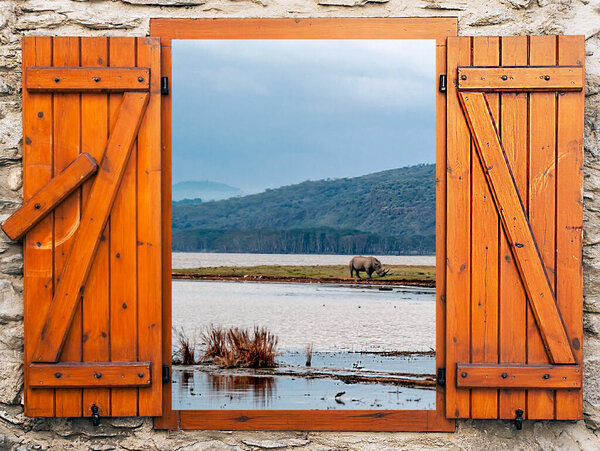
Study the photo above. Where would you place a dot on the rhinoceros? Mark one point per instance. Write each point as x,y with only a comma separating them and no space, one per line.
368,265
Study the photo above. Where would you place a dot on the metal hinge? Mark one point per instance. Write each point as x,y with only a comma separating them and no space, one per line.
441,376
443,82
164,86
166,374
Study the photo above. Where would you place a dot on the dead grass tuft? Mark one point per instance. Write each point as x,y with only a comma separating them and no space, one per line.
185,354
240,348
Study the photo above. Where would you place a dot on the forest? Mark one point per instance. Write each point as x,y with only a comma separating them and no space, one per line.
390,212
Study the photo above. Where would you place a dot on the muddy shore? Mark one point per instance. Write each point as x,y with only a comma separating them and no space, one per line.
340,281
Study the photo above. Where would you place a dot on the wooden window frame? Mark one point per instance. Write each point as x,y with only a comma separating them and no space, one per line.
314,28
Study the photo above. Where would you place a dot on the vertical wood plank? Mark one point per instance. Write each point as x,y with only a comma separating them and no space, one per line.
458,264
484,259
123,251
542,178
569,218
513,301
169,418
94,134
67,139
149,231
37,245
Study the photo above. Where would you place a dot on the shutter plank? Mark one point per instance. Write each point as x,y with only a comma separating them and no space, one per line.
569,219
83,79
67,136
566,78
513,303
519,376
484,245
515,224
123,250
94,135
90,374
149,231
37,246
49,196
458,234
542,177
94,219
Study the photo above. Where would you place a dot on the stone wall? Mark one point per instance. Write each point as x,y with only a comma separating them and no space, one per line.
131,18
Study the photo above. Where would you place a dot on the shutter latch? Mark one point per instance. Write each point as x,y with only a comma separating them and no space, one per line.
441,376
519,419
95,415
164,86
443,82
166,374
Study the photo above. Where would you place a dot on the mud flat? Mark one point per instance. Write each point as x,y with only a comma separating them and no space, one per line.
399,275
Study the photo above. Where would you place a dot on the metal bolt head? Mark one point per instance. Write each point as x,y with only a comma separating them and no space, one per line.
56,79
504,375
140,79
57,375
98,375
37,206
96,79
504,77
546,77
463,374
140,375
546,376
463,77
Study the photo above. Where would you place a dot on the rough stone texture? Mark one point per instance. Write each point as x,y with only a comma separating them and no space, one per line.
131,17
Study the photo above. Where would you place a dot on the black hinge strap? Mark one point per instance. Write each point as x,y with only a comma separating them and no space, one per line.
443,82
166,374
164,86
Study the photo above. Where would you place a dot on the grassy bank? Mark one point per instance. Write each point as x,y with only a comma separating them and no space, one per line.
414,275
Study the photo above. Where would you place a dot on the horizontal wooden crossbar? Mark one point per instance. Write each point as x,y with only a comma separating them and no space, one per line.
89,374
508,78
62,79
474,375
52,194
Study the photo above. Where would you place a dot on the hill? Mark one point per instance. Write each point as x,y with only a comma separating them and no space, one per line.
389,212
204,190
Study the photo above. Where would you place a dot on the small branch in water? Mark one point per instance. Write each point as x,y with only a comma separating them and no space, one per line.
309,351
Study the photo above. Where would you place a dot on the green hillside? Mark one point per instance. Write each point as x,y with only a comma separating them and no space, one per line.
390,212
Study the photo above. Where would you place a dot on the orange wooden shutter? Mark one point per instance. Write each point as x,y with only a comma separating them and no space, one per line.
514,237
93,243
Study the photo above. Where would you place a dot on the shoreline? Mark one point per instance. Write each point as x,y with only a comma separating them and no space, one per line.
294,279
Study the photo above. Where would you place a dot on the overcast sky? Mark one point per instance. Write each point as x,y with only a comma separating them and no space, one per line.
259,114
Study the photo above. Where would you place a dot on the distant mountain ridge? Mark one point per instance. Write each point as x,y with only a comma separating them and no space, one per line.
204,190
390,212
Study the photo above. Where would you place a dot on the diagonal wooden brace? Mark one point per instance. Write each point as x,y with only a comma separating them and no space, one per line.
516,226
95,216
47,198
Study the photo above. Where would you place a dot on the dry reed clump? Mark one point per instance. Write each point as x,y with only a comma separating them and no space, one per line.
185,354
240,348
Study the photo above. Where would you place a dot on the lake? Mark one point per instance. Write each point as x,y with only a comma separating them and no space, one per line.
350,328
182,260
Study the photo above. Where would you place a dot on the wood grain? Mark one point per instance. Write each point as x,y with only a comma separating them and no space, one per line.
86,374
67,140
458,239
123,250
542,206
484,250
37,247
95,305
569,218
49,196
94,219
519,376
45,79
517,228
523,78
149,229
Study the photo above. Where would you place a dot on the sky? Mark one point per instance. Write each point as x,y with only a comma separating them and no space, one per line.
258,114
